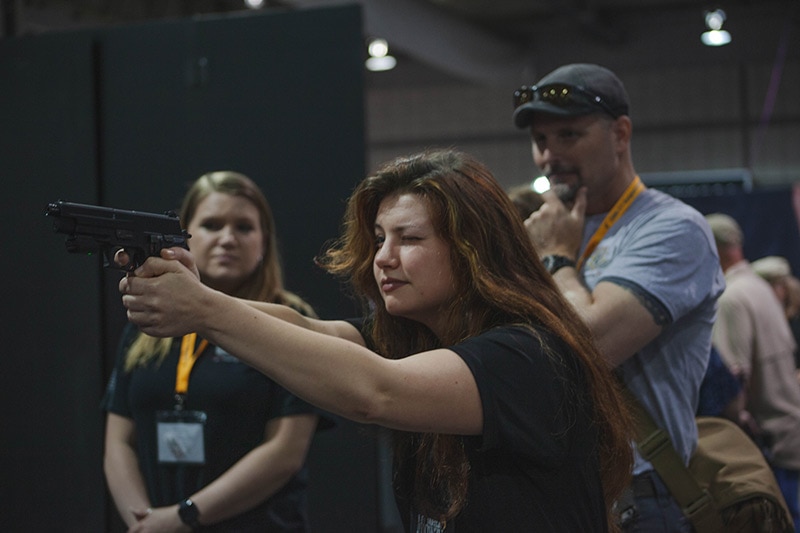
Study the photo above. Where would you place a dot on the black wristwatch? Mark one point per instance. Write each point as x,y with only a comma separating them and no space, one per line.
554,262
190,514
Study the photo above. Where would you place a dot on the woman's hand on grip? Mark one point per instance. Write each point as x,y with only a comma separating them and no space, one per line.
161,295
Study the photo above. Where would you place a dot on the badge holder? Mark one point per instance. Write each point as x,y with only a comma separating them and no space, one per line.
180,433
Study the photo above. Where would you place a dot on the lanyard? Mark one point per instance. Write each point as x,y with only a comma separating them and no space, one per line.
188,356
622,205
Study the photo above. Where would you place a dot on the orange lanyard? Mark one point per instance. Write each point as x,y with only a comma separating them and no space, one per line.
622,205
188,356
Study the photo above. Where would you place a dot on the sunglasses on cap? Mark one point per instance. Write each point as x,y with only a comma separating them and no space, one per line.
561,95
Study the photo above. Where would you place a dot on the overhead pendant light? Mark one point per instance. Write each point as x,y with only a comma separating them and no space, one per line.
715,35
379,58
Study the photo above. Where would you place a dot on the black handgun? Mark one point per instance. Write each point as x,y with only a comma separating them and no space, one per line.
91,229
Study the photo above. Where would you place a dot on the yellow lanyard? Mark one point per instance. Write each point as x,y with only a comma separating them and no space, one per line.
622,205
188,356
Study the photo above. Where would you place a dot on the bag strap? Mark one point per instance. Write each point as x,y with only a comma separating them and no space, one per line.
655,446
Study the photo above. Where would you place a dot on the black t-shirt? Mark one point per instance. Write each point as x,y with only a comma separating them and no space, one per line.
238,401
535,467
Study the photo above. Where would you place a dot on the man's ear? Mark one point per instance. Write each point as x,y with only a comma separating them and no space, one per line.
623,128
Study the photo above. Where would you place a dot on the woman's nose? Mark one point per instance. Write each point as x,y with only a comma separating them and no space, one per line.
227,234
385,256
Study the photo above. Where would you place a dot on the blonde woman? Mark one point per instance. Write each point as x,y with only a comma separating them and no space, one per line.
194,435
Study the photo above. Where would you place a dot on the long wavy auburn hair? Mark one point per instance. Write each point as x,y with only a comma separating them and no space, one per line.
265,283
499,281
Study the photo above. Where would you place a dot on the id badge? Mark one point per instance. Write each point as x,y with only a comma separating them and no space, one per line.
180,437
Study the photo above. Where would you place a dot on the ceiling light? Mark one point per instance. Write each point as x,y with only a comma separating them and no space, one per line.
378,64
378,48
715,36
379,58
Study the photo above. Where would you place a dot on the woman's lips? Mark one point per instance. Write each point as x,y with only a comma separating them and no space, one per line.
391,284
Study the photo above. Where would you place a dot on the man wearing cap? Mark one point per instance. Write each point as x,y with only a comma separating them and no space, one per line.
640,266
755,341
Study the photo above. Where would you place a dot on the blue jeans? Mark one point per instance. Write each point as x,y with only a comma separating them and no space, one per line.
655,510
788,482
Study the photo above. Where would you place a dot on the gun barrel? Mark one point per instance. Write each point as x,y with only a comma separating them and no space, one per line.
85,213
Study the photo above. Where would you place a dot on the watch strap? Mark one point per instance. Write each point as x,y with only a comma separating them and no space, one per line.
189,513
554,262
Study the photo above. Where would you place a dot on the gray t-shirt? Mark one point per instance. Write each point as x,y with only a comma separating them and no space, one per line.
663,250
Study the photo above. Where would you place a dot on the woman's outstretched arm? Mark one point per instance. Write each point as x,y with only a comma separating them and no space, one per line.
324,362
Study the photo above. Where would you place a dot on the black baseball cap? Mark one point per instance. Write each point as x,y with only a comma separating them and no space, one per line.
571,91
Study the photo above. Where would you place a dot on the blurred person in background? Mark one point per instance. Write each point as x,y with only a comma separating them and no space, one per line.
754,339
